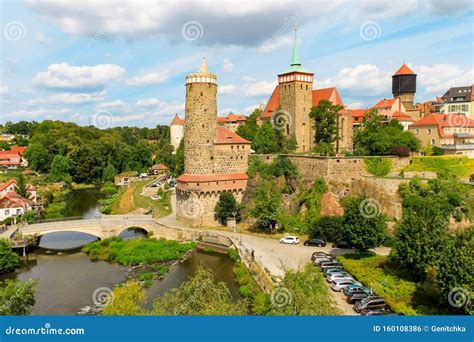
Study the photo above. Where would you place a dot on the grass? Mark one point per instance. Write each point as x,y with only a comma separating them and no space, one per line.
460,166
138,251
378,166
403,295
132,200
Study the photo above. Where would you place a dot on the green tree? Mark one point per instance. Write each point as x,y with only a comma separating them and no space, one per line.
17,297
128,300
266,204
9,260
38,157
324,116
302,293
60,167
266,139
455,263
227,207
364,226
249,129
202,295
109,173
328,228
21,185
4,146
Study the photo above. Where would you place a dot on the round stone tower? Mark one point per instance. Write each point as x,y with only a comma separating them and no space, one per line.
404,86
200,121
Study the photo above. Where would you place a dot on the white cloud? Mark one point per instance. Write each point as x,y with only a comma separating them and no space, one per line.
43,39
248,79
382,9
446,7
148,102
363,79
40,112
280,43
4,90
148,79
438,78
65,76
226,89
251,108
228,66
355,105
261,88
74,98
113,105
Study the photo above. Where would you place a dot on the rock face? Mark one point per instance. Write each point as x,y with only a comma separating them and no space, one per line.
330,205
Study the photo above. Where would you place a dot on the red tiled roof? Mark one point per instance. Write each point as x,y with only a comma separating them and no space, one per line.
188,178
272,104
160,166
6,203
13,196
18,149
404,70
330,94
384,103
445,120
224,136
177,121
5,185
357,112
401,116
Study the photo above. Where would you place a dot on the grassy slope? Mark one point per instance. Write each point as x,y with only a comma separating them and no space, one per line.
459,166
131,200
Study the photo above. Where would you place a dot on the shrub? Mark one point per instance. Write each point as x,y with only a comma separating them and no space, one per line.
9,260
437,151
328,228
378,166
471,178
401,151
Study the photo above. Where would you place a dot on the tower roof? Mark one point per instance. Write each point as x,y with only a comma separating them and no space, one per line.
404,70
203,67
177,121
295,60
203,75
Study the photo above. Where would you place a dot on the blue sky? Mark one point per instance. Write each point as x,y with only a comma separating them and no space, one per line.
75,61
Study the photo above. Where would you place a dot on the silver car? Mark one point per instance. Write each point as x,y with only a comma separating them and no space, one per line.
338,285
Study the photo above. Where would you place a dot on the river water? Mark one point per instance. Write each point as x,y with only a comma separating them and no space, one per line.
67,278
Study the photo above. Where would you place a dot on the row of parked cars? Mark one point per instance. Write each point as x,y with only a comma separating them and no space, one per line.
294,240
362,298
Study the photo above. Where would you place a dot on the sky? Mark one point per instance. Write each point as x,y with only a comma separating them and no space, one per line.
112,63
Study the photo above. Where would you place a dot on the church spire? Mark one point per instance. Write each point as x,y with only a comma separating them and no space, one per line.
295,61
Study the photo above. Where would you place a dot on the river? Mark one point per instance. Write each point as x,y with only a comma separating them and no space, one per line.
67,278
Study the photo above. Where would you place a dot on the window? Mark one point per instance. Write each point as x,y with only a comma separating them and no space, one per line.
201,93
7,212
433,141
464,108
428,130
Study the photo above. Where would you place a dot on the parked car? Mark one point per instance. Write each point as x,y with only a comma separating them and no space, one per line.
341,244
338,285
356,296
338,276
319,261
329,271
316,255
329,264
315,242
293,240
370,303
379,312
356,288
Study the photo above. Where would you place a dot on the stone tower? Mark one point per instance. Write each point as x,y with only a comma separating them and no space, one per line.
296,98
176,132
200,124
404,86
215,158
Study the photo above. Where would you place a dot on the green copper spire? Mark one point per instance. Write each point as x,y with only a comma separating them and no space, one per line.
296,51
295,61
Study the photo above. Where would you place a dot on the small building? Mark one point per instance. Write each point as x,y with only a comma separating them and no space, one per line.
159,169
13,158
458,100
14,205
176,132
125,178
454,133
231,121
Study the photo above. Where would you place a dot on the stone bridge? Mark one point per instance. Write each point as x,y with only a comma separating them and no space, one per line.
109,226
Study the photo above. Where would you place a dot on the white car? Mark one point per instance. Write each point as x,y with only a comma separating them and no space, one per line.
338,285
339,276
292,240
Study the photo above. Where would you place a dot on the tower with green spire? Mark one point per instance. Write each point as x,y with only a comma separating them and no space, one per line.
296,98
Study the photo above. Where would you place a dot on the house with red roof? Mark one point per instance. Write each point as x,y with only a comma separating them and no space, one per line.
13,158
231,121
454,133
291,101
11,203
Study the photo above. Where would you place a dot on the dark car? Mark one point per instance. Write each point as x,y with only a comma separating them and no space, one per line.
329,264
379,312
356,288
316,255
342,244
319,261
356,296
315,242
370,303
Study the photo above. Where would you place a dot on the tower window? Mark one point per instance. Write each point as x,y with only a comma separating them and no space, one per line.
307,87
301,86
201,93
202,126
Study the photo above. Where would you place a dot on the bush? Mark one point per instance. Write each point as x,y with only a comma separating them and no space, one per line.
328,228
378,166
437,151
401,151
471,178
9,260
